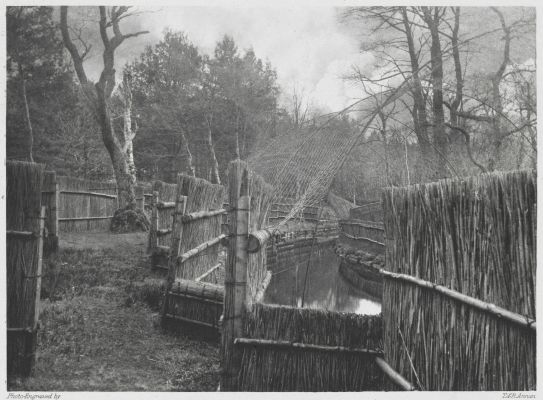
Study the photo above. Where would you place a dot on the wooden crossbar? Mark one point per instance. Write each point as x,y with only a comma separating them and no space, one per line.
195,297
190,321
165,204
364,224
201,214
209,271
472,301
362,238
84,218
197,250
22,233
393,375
304,346
95,194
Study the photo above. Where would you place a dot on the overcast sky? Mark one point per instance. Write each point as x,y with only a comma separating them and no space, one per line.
309,47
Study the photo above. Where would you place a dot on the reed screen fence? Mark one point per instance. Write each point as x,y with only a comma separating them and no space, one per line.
459,290
25,220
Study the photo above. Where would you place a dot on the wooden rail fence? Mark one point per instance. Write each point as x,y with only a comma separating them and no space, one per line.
79,205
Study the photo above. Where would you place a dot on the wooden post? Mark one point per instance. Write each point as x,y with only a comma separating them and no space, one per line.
177,234
54,212
34,339
153,231
235,277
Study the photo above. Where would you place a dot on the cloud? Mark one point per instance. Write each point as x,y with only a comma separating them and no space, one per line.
307,46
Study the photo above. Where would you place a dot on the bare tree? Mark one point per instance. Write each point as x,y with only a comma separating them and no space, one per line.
99,95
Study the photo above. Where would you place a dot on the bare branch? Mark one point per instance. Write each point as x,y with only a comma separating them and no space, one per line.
468,145
72,49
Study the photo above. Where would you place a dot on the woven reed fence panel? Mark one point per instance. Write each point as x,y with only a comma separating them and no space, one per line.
23,203
166,193
272,369
201,196
478,237
85,205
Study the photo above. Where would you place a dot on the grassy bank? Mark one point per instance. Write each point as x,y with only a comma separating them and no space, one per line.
100,327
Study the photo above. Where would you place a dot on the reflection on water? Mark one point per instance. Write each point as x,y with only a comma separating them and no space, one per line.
325,288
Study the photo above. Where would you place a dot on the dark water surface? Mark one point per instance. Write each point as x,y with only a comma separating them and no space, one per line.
325,288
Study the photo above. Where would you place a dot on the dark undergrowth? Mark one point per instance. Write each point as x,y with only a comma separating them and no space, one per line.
100,330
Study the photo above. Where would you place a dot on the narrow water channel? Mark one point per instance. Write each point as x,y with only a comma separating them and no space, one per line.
322,287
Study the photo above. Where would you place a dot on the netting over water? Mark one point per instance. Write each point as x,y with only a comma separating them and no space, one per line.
302,165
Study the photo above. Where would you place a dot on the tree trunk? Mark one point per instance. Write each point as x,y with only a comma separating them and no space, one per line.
497,105
215,177
30,132
237,136
436,61
121,158
427,157
120,152
190,162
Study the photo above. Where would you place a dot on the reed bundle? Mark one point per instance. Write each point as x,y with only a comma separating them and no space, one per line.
261,195
317,368
196,303
475,237
23,262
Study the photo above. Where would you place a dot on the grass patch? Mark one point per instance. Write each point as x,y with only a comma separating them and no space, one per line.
100,330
